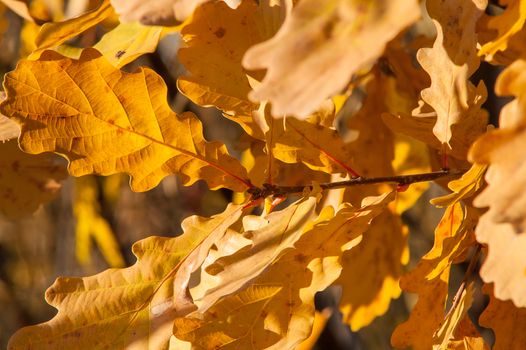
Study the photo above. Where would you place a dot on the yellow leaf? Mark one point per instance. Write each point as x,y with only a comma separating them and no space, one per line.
410,157
26,181
130,308
128,41
446,332
320,320
270,235
453,236
55,33
386,237
426,316
502,226
463,188
450,63
506,320
216,38
375,265
107,121
507,24
319,147
90,224
286,318
320,46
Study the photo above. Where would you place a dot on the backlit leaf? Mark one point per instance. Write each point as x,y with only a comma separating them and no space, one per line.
463,188
430,278
128,41
320,46
55,33
286,319
450,63
216,39
446,332
502,227
107,121
130,308
507,24
160,12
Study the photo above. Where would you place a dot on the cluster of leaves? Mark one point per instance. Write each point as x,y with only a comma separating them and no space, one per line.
281,69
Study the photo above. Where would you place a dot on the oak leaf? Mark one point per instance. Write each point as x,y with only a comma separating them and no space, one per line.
216,38
131,308
430,278
26,181
53,34
506,320
318,147
161,12
465,187
127,41
375,264
450,63
445,334
312,265
320,46
507,25
107,121
502,227
451,107
271,236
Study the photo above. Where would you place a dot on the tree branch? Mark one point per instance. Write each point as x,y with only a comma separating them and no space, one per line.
401,180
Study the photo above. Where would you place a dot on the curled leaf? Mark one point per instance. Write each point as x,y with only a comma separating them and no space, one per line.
320,46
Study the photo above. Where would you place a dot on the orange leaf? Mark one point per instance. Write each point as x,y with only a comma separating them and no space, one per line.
107,121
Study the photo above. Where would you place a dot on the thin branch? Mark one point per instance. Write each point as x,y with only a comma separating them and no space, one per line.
401,180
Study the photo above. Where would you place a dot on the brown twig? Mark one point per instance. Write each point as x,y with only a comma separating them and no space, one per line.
401,180
465,280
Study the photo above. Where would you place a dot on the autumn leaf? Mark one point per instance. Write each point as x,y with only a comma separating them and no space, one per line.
502,226
286,318
506,320
430,278
465,187
375,263
131,308
26,181
123,130
506,24
55,33
164,12
216,38
270,235
452,320
127,41
320,46
319,147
